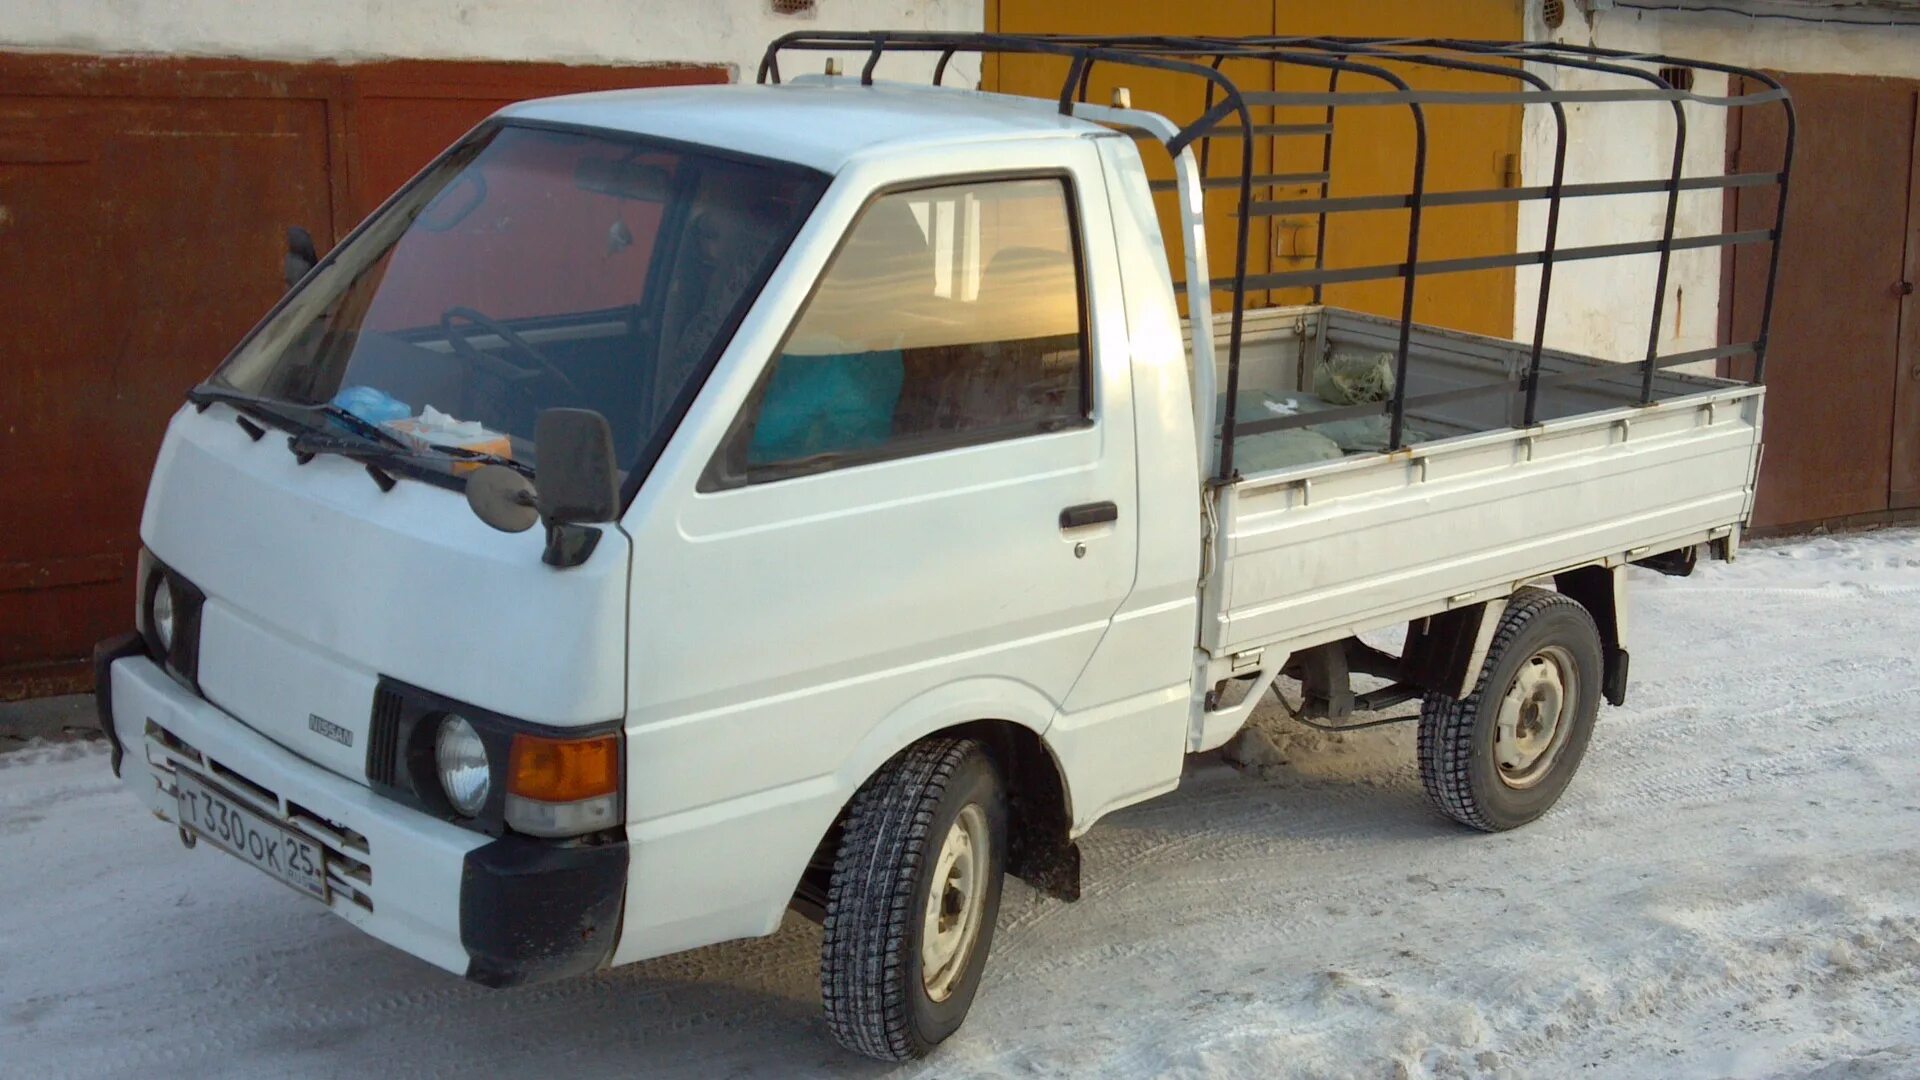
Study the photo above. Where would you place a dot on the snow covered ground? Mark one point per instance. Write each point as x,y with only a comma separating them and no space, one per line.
1731,888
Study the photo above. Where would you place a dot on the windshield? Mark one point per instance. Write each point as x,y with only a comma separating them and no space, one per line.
529,269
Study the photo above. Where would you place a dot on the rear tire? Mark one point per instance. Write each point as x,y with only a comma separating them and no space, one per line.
899,962
1501,756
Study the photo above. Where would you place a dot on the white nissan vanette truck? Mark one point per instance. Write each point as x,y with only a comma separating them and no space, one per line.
680,506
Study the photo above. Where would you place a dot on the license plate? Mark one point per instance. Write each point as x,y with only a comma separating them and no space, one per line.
222,821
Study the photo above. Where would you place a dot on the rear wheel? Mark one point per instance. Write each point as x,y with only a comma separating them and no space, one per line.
1501,756
913,898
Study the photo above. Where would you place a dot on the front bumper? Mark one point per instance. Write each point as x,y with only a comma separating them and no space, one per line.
500,911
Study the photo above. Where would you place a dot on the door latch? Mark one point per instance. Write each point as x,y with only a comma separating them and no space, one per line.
1099,513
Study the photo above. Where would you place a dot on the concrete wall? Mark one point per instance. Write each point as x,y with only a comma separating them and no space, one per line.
1602,306
572,31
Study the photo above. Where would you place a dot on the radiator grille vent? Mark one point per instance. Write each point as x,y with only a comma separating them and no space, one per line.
383,741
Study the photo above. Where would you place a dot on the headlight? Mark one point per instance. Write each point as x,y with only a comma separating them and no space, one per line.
461,757
163,616
169,619
483,770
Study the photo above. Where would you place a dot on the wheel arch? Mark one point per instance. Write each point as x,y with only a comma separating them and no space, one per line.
1602,590
1445,652
1011,725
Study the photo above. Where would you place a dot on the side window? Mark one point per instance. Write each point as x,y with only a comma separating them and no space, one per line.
949,316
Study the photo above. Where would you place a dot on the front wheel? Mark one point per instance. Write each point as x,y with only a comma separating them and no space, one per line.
1500,757
912,901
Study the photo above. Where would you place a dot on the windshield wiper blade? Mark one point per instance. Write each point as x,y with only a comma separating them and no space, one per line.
285,411
360,425
488,457
367,443
308,443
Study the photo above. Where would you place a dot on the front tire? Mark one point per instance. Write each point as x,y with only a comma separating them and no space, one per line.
913,898
1501,756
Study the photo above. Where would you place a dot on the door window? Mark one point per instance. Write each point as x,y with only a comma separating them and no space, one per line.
950,316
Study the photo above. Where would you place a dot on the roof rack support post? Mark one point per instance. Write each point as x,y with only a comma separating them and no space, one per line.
1779,231
1396,435
1326,189
873,58
1225,472
1074,72
1531,413
1666,249
1206,109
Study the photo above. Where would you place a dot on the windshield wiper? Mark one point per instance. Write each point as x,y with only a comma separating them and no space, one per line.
284,412
488,457
360,425
367,442
379,458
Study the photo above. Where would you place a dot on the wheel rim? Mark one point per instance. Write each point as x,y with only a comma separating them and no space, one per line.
956,902
1536,715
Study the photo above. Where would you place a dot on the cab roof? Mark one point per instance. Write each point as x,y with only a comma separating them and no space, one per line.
816,121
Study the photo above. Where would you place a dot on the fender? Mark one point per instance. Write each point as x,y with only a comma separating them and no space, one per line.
1049,862
949,705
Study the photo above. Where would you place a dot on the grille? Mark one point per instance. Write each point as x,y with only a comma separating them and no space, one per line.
383,739
348,865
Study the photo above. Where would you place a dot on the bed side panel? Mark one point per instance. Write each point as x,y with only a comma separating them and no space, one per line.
1319,553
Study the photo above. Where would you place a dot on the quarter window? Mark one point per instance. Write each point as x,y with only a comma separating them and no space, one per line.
949,316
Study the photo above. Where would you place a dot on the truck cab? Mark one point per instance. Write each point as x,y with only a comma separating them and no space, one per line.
677,507
895,451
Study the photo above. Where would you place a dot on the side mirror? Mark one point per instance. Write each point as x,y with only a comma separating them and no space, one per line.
574,448
578,481
578,487
301,256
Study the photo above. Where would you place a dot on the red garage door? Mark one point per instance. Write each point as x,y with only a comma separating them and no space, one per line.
1843,363
143,205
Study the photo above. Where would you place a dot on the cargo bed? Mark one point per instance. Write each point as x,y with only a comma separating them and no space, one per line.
1321,551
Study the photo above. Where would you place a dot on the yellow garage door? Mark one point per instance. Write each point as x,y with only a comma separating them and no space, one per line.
1469,146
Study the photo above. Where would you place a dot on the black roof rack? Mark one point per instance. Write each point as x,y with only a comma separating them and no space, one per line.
1225,111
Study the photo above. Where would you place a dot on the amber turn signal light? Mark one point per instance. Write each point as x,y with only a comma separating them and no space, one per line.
563,770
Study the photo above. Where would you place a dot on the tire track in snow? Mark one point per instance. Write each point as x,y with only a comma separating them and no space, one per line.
1216,838
1305,893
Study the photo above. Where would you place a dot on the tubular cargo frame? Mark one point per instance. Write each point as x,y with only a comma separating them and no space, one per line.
1226,112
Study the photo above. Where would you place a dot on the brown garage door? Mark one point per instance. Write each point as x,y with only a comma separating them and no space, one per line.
142,210
1843,360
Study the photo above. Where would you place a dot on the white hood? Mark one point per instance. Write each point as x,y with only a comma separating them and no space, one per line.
318,583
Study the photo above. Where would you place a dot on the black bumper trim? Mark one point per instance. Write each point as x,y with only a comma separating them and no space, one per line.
533,910
114,648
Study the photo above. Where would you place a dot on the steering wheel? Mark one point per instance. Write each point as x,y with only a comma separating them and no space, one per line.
514,374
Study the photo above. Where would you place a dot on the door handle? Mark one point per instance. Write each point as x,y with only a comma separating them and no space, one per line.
1094,513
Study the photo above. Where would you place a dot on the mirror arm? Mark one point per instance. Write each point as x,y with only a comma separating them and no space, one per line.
569,544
